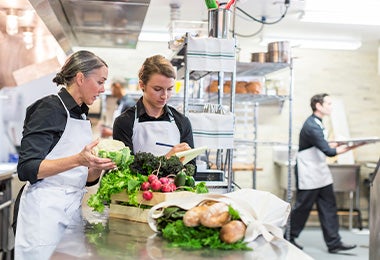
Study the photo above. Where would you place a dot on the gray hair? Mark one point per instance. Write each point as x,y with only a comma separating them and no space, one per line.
81,61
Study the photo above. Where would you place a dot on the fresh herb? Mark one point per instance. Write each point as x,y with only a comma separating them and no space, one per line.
145,163
201,187
113,182
233,213
199,237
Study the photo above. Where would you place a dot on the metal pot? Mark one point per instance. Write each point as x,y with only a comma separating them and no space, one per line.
279,52
259,57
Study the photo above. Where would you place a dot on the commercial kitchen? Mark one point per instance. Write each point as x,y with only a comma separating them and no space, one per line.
255,96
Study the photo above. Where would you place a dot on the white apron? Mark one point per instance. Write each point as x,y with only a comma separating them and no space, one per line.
146,134
313,171
50,206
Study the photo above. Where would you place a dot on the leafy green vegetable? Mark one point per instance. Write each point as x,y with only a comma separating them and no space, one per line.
145,163
122,158
131,172
190,169
233,213
170,215
113,182
199,237
201,187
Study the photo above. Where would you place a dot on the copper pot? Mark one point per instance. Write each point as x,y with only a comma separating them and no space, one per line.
279,52
259,57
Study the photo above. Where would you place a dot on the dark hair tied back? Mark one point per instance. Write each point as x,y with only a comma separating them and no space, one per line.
59,79
81,61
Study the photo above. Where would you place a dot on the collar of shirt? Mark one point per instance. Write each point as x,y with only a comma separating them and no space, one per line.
141,112
320,119
71,105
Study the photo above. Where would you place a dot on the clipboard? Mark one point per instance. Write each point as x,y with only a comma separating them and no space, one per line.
191,154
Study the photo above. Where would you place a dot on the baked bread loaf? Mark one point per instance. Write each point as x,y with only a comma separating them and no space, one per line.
241,87
254,87
213,87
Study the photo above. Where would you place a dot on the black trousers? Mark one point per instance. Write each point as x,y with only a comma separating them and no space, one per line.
324,198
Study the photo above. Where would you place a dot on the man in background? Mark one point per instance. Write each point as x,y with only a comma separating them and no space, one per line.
124,101
313,177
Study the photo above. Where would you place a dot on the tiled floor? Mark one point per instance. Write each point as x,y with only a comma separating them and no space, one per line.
313,244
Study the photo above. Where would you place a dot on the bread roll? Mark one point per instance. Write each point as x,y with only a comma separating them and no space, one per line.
254,87
213,87
227,87
240,87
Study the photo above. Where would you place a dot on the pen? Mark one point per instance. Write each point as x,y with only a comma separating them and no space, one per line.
162,144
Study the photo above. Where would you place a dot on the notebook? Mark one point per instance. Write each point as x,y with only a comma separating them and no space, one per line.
191,154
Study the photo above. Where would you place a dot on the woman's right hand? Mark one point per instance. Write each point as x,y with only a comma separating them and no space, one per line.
178,148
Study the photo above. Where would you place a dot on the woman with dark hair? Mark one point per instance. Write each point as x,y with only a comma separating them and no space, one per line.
56,157
151,121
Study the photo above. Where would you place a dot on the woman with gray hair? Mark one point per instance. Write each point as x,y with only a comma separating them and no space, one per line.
56,158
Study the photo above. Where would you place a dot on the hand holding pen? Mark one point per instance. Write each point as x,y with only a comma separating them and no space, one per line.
175,148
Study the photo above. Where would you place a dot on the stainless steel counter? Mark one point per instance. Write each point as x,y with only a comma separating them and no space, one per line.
6,175
122,239
374,220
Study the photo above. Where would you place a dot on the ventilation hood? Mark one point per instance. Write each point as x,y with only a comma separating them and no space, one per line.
93,23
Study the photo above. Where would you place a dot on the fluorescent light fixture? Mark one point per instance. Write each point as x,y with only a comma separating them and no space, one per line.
152,36
27,37
315,43
364,12
12,24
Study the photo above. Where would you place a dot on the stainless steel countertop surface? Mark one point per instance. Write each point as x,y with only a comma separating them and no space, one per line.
6,170
113,238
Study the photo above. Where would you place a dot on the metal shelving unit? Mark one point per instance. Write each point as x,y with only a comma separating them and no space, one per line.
242,69
180,60
261,70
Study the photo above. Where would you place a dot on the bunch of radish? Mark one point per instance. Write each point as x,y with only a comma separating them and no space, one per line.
155,184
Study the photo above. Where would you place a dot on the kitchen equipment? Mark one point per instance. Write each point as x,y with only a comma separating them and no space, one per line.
218,22
279,52
209,175
259,57
374,221
5,205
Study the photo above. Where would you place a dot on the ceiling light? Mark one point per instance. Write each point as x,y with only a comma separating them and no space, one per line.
12,22
28,37
315,43
354,12
154,36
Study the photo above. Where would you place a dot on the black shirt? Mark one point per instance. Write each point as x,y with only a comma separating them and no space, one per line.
312,135
123,125
44,124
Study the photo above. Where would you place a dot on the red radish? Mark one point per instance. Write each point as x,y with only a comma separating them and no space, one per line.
169,187
145,185
147,195
164,180
172,186
156,185
152,178
166,188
